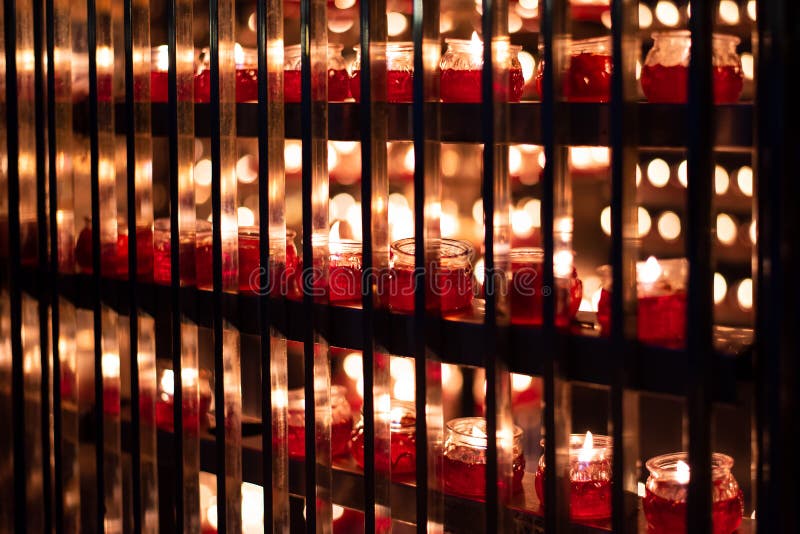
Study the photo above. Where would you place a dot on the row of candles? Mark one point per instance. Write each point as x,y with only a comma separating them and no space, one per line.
664,75
463,462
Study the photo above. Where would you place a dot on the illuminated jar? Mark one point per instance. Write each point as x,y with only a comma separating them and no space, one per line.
83,249
403,439
162,255
338,78
246,75
341,422
250,263
590,459
667,488
525,289
195,410
588,77
144,251
159,74
450,287
665,73
589,10
399,72
464,458
461,66
661,290
344,275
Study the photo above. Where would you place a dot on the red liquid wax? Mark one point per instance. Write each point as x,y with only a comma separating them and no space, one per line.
338,85
159,86
669,84
662,318
403,450
525,294
399,86
669,517
144,254
449,290
588,499
204,265
340,437
111,401
469,479
246,85
588,78
83,254
250,263
194,414
465,85
588,12
162,262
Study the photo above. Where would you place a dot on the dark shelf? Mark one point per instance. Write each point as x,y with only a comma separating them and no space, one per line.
457,339
660,125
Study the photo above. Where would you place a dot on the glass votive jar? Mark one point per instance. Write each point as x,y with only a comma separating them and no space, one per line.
667,487
665,73
195,410
341,422
588,76
525,290
162,256
83,249
399,72
464,458
590,459
338,78
449,287
144,251
250,263
344,271
461,66
403,439
661,296
159,74
246,60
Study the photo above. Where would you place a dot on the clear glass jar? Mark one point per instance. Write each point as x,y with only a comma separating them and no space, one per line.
461,67
162,256
195,410
667,487
403,439
450,287
464,458
246,75
341,422
338,78
590,462
344,271
525,289
588,76
250,262
399,72
665,73
661,293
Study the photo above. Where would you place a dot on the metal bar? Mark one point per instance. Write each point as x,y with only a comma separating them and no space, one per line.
624,230
700,310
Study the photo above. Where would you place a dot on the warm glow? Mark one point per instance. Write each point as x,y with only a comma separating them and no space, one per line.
396,23
744,294
476,48
340,24
682,474
245,216
402,368
729,12
581,157
247,169
753,232
528,65
720,288
238,54
529,4
448,220
605,220
520,382
669,226
744,179
162,58
479,270
726,229
168,379
638,175
353,218
344,4
682,174
601,155
645,16
514,22
104,57
747,65
339,206
403,390
333,159
521,223
562,263
645,223
110,364
587,451
658,172
751,12
667,13
344,147
541,159
514,160
477,211
650,272
477,432
408,160
293,156
721,180
534,208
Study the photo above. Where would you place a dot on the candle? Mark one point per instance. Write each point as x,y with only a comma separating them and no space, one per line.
588,77
195,413
399,72
667,487
159,73
250,263
162,260
661,299
449,286
525,291
403,451
461,67
341,422
83,252
338,79
464,469
344,283
144,252
665,73
111,399
590,459
246,61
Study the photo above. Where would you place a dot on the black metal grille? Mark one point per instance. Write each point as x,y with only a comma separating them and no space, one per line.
56,139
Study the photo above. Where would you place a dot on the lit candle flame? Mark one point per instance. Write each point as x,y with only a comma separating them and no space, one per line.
651,272
162,58
682,472
238,54
587,451
189,376
110,365
476,47
477,432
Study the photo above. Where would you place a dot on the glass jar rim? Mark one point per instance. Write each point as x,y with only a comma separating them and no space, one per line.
296,396
599,440
407,408
162,224
461,427
581,45
393,46
464,43
449,249
294,50
253,230
664,467
719,37
345,246
681,263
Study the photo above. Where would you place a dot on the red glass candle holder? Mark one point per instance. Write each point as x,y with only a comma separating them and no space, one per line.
403,439
250,263
162,256
159,74
590,462
246,76
667,487
144,252
195,410
111,394
341,422
449,286
399,72
661,289
338,78
464,458
204,262
525,290
109,262
589,10
588,77
665,73
344,275
461,66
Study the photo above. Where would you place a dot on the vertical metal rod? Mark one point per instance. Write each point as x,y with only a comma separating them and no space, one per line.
700,352
17,376
624,152
53,175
